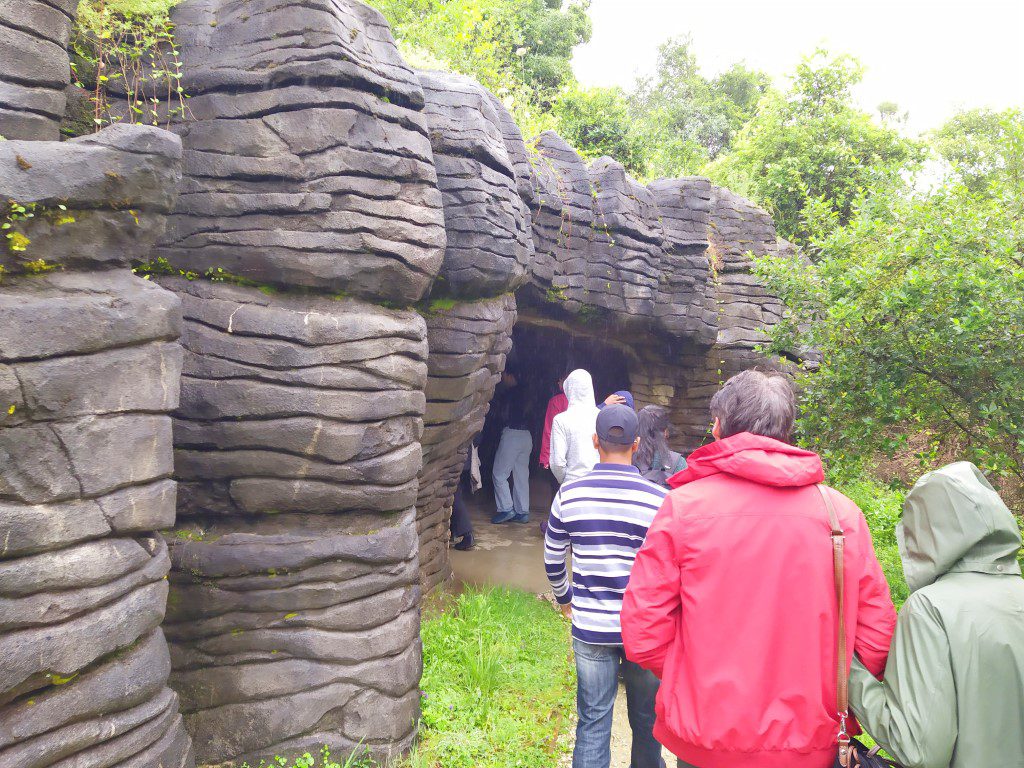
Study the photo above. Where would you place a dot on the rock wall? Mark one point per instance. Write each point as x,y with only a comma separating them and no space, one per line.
472,310
311,199
352,245
89,369
307,159
34,69
293,617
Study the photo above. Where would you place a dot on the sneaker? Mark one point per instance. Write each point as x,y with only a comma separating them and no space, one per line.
522,519
503,517
466,543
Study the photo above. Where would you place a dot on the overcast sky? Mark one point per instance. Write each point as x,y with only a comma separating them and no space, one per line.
932,57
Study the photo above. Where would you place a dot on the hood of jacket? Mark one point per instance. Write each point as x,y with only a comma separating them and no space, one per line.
579,388
753,457
954,521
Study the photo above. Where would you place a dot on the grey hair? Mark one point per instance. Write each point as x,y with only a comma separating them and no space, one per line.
757,401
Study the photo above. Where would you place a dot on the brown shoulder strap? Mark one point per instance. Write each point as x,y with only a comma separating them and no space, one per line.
842,673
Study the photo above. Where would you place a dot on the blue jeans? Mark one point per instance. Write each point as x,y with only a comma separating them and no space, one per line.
597,682
512,459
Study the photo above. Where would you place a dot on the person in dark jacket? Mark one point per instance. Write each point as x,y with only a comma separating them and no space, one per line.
461,522
953,695
512,502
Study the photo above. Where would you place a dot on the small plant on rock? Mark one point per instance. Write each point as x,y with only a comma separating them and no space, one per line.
124,53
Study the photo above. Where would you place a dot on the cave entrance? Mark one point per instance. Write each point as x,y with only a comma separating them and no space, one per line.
542,352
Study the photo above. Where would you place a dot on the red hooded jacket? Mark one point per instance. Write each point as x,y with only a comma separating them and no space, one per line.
731,602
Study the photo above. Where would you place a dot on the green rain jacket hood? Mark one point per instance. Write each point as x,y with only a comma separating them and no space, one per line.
953,695
955,522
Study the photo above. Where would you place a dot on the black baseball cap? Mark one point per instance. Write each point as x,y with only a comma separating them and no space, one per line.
617,424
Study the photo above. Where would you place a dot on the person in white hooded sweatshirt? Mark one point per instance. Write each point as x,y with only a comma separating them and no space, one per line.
572,433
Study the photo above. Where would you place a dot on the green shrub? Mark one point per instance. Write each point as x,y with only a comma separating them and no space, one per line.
882,508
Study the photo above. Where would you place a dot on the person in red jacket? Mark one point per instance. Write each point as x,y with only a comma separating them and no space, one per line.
731,601
556,405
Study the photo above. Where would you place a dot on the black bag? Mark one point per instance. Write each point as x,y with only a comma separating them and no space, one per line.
862,757
663,469
852,754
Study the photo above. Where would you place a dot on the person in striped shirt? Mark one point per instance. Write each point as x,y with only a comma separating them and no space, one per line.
602,520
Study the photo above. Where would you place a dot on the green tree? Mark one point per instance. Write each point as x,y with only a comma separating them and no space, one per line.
983,147
597,122
520,50
917,308
813,144
687,119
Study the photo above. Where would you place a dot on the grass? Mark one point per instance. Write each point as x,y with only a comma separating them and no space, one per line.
498,683
498,686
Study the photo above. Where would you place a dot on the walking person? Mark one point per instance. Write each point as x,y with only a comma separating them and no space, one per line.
512,502
556,405
602,518
572,432
655,460
732,600
953,694
461,523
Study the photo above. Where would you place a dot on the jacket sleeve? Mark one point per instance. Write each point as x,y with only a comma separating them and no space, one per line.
913,713
559,450
651,606
876,616
556,546
545,441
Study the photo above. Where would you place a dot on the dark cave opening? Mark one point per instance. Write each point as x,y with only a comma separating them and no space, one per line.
543,352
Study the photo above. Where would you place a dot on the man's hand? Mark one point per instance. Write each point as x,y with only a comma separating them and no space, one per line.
566,610
615,400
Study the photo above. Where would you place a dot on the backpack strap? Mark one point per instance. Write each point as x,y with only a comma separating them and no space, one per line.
842,673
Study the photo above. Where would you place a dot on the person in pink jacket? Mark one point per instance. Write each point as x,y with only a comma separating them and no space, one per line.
558,403
731,601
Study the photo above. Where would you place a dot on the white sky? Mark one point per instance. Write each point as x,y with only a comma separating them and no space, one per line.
932,57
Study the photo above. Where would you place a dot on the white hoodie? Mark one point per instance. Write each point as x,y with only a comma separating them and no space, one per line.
572,433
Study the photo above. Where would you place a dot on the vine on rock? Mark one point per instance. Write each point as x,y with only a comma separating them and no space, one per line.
125,56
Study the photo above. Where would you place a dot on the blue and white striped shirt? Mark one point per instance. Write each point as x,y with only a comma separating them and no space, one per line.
603,518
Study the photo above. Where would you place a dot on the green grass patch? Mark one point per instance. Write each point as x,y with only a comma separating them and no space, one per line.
498,683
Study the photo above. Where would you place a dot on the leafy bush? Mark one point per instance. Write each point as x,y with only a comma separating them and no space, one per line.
597,122
308,760
882,508
917,307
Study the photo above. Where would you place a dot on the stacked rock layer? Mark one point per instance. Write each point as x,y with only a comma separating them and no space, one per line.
472,311
34,68
311,200
89,370
307,158
293,618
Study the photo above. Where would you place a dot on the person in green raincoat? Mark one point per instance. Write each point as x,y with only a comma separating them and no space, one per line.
954,683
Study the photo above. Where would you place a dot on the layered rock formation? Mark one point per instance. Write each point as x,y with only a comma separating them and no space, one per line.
352,246
468,343
469,321
293,618
89,369
34,69
294,610
307,159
